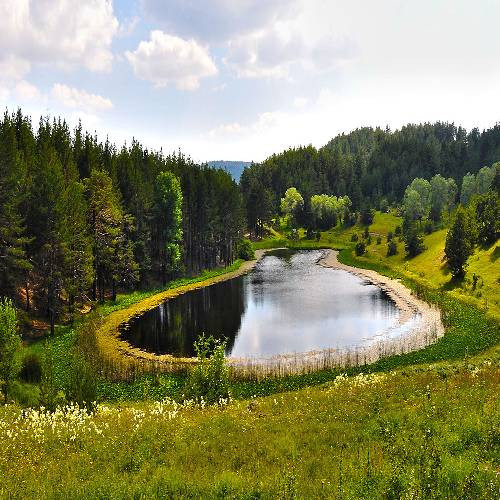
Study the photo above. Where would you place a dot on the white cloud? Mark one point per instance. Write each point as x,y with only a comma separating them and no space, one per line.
80,99
274,52
25,91
61,32
167,59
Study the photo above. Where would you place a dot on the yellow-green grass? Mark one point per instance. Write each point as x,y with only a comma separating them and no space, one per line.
421,433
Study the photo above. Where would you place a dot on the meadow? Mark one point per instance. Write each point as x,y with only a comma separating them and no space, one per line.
425,424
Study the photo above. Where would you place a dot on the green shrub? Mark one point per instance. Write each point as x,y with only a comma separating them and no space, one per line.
244,250
354,237
389,236
10,343
31,369
50,396
392,248
208,380
379,240
397,231
82,387
26,395
360,248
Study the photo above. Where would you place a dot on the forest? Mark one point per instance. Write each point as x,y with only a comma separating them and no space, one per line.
372,167
80,219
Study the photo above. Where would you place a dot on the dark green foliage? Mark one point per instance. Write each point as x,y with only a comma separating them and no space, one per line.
367,214
459,243
245,250
31,368
379,240
486,209
389,236
397,231
354,237
428,227
366,232
392,248
209,380
360,248
414,243
80,219
14,264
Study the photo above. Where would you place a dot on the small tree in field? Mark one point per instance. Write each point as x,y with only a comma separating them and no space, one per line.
459,243
10,342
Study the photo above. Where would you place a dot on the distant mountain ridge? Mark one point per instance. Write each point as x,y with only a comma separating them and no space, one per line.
235,168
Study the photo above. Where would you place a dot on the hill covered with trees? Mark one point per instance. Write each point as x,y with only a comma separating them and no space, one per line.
370,166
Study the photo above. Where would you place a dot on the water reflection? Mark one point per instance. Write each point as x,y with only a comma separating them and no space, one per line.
286,304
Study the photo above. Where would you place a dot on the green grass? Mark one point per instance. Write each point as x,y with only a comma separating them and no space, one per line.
421,425
418,433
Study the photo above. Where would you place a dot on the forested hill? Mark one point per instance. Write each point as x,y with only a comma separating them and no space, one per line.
235,168
80,219
370,164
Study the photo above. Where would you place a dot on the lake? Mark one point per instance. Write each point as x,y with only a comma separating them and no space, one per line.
287,303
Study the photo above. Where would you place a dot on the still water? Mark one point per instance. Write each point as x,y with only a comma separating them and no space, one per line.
287,303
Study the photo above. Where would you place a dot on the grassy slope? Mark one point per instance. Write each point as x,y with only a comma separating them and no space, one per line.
431,430
412,434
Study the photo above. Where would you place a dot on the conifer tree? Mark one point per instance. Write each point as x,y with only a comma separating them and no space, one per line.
459,243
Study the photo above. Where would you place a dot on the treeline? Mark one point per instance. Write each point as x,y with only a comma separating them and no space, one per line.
370,166
80,218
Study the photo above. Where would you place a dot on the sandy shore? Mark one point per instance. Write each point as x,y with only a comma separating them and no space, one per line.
419,325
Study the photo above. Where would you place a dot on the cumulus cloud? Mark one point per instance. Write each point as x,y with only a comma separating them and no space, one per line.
167,59
25,91
216,20
80,99
61,32
274,52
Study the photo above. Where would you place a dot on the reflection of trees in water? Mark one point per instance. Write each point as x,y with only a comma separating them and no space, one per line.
174,326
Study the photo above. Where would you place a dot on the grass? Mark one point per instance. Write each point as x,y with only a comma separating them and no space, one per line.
417,433
421,425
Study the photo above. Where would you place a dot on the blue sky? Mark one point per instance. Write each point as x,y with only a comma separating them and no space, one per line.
241,79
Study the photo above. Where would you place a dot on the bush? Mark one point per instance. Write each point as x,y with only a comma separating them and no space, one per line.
428,227
354,237
209,379
10,343
360,248
318,236
50,396
367,215
397,232
389,236
244,250
379,240
26,395
366,233
310,234
31,369
82,387
392,248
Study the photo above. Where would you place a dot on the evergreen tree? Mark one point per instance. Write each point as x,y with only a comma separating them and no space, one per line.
168,223
14,263
459,243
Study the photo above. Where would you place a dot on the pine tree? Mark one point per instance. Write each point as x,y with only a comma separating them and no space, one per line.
14,263
459,243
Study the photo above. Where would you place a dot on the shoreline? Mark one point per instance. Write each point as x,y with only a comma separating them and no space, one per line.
427,328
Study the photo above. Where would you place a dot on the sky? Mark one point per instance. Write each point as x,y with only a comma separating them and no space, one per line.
243,79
